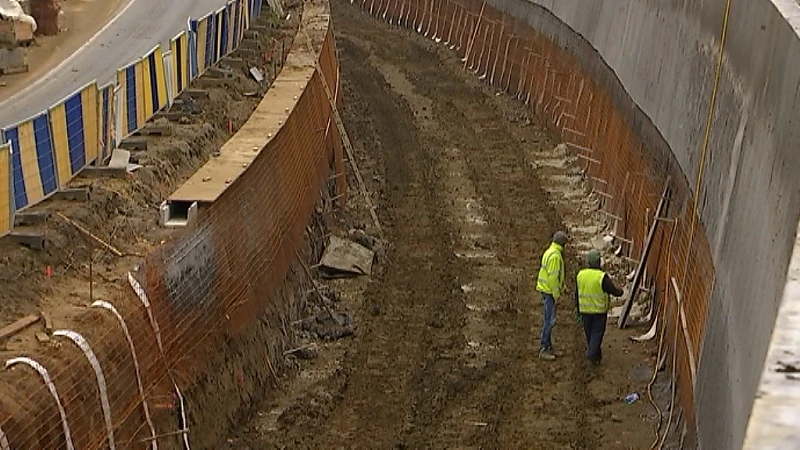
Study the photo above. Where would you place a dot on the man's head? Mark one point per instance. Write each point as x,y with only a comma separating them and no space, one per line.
560,238
593,259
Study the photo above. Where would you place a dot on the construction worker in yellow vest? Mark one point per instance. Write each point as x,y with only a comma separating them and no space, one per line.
551,284
594,288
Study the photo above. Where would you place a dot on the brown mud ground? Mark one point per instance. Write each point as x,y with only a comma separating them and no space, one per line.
469,190
124,212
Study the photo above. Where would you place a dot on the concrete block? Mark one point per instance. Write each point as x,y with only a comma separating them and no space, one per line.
134,143
104,172
259,27
119,159
34,240
235,63
155,130
251,54
195,93
212,82
12,58
73,194
250,44
172,116
30,218
215,72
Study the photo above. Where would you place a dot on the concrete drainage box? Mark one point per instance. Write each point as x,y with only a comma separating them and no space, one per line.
176,214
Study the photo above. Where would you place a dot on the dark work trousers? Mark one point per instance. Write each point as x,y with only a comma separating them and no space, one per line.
594,325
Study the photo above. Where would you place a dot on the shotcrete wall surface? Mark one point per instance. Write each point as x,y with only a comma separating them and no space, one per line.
665,56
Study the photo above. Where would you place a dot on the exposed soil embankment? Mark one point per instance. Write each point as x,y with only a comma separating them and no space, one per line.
124,214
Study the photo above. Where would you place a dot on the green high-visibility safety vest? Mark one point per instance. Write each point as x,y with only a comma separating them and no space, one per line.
591,298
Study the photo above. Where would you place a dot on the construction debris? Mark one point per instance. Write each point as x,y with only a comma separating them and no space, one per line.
643,262
344,258
19,325
329,327
120,159
256,74
651,333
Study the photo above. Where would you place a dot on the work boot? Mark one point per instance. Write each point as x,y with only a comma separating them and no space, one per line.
546,355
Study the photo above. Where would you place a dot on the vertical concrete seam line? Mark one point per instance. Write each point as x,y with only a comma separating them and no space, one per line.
706,140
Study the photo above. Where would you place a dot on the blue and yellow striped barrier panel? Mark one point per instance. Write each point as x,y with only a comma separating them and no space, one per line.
237,30
129,80
143,86
245,17
105,109
179,51
74,128
218,41
6,197
223,37
33,165
194,69
211,41
154,83
255,9
231,13
204,44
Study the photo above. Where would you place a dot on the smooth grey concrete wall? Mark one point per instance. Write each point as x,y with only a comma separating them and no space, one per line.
664,54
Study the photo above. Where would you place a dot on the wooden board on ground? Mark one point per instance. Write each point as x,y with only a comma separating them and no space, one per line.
19,325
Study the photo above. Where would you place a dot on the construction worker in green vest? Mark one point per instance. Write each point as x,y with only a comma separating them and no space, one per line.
594,288
551,284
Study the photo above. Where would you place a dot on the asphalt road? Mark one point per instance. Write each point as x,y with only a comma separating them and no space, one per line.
139,27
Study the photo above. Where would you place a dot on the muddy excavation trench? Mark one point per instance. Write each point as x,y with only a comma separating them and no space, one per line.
469,187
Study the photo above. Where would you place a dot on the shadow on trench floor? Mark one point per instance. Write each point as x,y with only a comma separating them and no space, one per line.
445,349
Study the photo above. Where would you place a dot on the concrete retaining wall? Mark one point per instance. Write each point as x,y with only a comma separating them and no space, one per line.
664,54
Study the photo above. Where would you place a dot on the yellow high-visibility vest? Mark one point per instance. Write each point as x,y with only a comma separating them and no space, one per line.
591,298
551,274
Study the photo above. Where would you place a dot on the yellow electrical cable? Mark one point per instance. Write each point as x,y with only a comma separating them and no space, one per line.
701,168
707,139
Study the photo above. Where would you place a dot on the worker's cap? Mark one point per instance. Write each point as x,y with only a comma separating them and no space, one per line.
593,258
560,238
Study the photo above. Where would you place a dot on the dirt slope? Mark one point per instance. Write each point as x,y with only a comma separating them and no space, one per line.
445,352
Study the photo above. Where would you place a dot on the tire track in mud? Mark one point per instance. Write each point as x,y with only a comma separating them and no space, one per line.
407,344
495,392
446,349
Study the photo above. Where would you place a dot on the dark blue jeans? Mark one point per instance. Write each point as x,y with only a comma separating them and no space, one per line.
549,321
594,325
